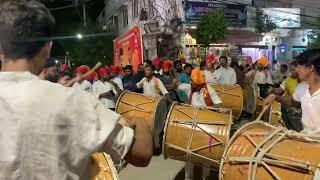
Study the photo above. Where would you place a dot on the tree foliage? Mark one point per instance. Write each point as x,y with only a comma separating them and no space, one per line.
212,27
264,24
93,47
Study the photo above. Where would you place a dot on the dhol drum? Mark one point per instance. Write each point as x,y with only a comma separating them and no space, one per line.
102,167
152,110
197,135
231,97
273,116
261,151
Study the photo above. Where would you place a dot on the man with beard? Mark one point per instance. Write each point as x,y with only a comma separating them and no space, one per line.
152,86
50,71
178,69
105,91
169,81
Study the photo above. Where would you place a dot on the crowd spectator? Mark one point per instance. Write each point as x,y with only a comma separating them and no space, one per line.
129,80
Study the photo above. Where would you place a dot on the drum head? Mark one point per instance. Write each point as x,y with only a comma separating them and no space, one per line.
231,97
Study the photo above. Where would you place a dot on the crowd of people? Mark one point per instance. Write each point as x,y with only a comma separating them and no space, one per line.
173,79
53,118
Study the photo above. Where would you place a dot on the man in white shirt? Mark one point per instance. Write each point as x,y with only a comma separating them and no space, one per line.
84,84
115,72
49,131
151,85
105,91
200,95
211,73
307,93
226,74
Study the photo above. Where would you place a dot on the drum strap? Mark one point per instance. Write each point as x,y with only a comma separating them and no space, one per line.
156,85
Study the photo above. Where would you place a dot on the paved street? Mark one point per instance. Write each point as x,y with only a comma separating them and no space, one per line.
159,169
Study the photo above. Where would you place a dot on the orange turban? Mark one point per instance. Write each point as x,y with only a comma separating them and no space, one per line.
263,61
198,77
82,69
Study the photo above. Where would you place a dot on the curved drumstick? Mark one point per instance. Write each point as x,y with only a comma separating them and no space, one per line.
96,67
264,110
78,79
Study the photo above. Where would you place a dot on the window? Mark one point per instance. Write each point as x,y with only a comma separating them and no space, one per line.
125,16
135,8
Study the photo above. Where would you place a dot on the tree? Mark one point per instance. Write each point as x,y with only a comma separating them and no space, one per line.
264,24
95,45
212,27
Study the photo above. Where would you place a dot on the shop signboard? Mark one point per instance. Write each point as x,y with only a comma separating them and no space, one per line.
236,14
284,17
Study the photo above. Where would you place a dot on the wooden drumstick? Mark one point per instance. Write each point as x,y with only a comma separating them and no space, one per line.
77,79
264,110
96,67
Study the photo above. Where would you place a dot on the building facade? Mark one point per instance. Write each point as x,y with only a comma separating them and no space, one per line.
154,18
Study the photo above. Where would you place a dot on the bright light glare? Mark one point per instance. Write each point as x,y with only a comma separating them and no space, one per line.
79,36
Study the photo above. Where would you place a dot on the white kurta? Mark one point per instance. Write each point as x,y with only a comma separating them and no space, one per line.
310,105
118,81
149,88
211,77
198,97
49,131
99,88
227,76
84,85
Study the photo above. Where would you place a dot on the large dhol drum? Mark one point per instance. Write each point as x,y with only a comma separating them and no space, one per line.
261,151
102,167
231,97
152,110
273,116
197,135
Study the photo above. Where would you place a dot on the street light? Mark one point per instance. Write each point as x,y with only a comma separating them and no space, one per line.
79,36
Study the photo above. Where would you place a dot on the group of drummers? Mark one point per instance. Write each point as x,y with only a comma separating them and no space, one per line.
52,131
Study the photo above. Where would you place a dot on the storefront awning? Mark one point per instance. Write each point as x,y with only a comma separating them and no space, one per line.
240,37
237,37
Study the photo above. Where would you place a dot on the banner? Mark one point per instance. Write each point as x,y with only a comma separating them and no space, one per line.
128,49
236,14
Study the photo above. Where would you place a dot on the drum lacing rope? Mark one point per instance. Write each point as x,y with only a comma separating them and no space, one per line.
257,160
193,128
260,157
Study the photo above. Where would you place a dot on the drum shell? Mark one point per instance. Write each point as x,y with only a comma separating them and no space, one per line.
273,115
290,155
231,97
139,107
179,136
102,167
